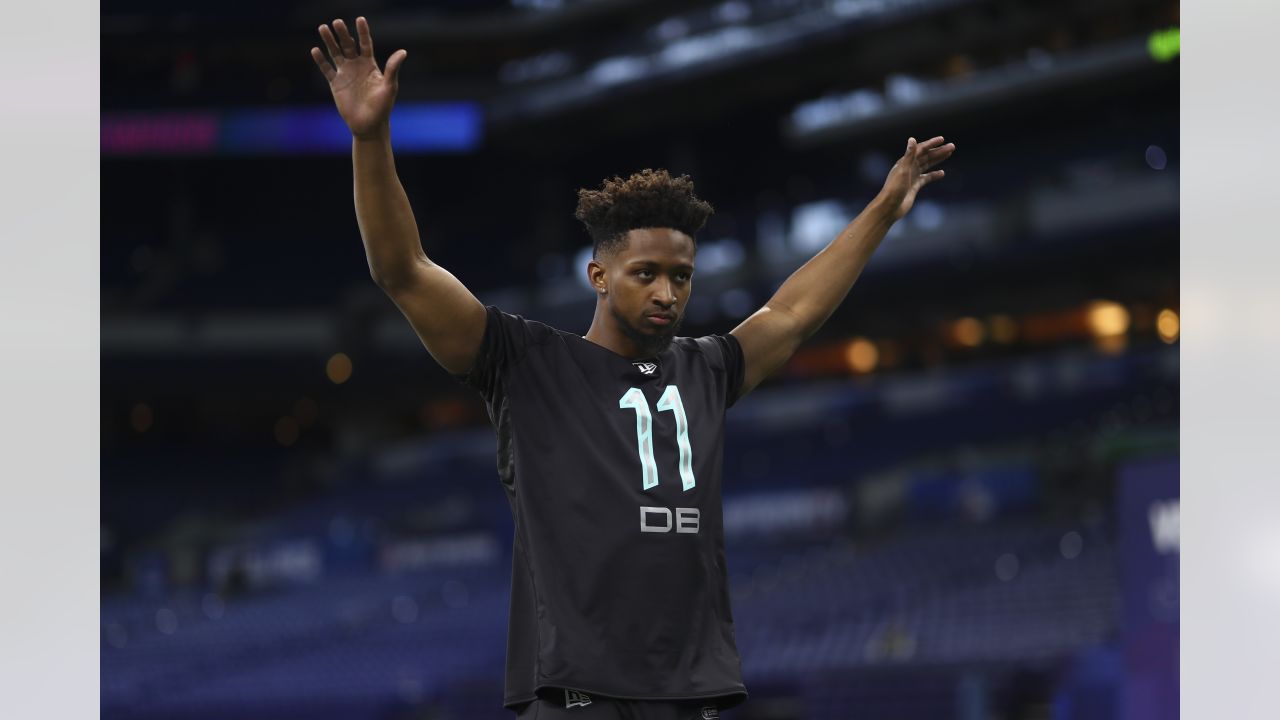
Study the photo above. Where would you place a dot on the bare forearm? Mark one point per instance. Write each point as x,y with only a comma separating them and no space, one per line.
817,288
383,213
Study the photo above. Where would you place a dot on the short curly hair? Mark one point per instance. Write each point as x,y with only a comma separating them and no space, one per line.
647,199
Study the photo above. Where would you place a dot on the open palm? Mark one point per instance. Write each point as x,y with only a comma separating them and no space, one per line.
363,93
911,172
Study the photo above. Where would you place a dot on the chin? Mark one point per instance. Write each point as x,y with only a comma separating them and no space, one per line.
651,338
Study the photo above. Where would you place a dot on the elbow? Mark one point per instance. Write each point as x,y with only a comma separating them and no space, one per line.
390,281
382,281
800,325
390,284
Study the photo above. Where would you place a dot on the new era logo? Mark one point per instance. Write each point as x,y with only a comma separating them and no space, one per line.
573,698
710,712
646,368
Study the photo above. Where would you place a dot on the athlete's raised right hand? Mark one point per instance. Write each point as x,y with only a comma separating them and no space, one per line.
363,93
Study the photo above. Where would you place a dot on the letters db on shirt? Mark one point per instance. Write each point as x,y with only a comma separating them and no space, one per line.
659,519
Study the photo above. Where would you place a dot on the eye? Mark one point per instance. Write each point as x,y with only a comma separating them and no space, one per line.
645,273
683,277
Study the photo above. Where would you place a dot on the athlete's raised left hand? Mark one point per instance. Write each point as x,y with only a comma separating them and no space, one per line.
912,172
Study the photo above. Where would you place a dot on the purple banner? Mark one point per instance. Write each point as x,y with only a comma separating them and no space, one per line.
1149,552
424,127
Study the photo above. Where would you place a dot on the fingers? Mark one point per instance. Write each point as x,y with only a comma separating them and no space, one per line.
325,67
924,155
929,144
344,39
932,176
331,45
393,65
937,155
366,39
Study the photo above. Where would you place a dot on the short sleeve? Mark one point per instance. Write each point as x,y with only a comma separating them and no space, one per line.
724,353
506,339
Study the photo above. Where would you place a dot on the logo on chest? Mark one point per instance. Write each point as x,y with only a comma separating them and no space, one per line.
646,368
573,698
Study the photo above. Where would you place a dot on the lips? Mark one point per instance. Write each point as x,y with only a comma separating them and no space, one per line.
661,318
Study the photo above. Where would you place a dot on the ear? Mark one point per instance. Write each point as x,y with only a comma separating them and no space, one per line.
598,275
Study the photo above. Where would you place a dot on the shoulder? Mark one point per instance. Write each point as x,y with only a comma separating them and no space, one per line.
534,329
723,356
721,351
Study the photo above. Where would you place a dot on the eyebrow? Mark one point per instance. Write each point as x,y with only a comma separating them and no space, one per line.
655,263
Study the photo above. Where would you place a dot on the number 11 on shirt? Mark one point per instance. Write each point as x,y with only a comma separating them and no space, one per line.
670,400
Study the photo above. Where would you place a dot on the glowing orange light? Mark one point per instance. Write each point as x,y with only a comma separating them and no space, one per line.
861,355
1169,325
968,332
1107,319
338,368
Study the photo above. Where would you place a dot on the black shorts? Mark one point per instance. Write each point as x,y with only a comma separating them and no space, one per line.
562,704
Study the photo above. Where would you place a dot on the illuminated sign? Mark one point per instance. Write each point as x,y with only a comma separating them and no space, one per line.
417,127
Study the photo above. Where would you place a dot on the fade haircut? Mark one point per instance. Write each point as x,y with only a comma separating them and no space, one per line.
647,199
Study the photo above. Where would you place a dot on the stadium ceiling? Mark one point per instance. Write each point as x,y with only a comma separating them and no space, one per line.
540,58
398,21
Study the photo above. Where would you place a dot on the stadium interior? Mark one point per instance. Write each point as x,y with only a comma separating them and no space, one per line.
928,512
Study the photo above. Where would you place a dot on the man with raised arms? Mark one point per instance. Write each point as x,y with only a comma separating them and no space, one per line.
609,444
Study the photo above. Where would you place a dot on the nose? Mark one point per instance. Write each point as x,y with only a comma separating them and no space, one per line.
664,295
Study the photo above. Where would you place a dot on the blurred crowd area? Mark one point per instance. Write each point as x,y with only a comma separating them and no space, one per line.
958,500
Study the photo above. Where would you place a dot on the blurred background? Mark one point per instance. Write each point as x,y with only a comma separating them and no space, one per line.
959,499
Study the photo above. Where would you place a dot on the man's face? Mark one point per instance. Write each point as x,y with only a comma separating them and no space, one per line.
649,282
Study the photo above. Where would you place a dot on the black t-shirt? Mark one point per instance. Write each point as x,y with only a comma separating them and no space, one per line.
612,467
